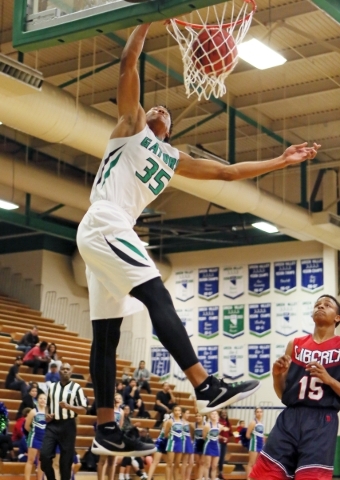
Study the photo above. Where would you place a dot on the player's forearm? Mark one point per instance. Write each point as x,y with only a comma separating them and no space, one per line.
134,45
244,170
279,383
335,386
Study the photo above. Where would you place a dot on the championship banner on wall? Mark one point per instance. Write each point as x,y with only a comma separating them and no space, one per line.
187,317
279,351
285,277
178,372
287,318
208,283
208,356
259,319
160,362
208,322
312,275
306,316
233,361
233,321
259,360
184,285
259,279
233,281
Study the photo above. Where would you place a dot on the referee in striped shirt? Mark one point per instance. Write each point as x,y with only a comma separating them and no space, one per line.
65,400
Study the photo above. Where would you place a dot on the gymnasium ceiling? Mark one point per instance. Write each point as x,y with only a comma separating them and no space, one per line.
297,101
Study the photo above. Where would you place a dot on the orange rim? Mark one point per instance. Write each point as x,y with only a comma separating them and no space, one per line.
197,26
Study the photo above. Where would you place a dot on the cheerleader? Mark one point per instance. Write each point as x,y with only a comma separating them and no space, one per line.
198,447
107,464
255,433
173,431
161,443
188,449
211,449
35,424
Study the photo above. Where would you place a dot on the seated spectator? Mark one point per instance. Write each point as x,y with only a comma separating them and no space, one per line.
126,377
165,402
28,341
29,401
53,375
127,424
132,398
142,375
13,379
51,353
18,431
6,444
120,388
145,438
240,434
37,358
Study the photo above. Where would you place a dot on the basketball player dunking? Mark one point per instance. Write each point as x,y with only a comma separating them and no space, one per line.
138,164
307,380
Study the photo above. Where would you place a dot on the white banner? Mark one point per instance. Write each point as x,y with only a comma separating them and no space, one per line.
279,350
306,315
233,281
286,318
233,361
184,285
187,317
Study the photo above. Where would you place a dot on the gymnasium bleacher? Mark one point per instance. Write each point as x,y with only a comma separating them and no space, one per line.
15,320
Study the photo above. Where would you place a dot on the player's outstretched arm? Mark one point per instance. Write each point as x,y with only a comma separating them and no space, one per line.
280,370
202,169
129,109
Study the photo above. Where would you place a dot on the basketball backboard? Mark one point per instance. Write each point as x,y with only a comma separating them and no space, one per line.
43,23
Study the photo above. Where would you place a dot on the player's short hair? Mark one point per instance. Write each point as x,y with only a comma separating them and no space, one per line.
334,300
167,139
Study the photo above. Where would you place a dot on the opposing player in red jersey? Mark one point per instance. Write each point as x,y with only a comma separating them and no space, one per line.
301,445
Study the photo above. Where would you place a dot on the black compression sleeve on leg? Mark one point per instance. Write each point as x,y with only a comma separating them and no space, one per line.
106,334
166,322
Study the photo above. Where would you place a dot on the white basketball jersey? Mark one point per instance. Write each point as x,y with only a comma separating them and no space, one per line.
134,171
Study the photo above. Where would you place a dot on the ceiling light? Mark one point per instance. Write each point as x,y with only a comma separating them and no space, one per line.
266,227
0,123
259,55
145,244
8,205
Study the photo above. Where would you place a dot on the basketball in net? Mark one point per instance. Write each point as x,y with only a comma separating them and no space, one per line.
214,52
208,42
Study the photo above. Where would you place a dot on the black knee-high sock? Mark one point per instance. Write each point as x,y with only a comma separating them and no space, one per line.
166,322
106,334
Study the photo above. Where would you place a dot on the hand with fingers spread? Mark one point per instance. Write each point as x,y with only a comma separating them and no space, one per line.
299,153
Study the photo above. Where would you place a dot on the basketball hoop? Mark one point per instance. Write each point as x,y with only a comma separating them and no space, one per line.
209,45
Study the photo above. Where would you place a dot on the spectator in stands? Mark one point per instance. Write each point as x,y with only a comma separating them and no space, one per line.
36,358
53,375
18,431
165,402
223,438
145,438
29,340
132,398
13,379
120,388
126,377
242,430
29,401
6,445
51,352
142,375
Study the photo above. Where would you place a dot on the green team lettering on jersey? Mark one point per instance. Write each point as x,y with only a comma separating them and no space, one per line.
156,149
153,176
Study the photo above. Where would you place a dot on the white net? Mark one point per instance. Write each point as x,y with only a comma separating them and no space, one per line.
208,44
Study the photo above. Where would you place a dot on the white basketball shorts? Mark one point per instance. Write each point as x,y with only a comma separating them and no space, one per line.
116,261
